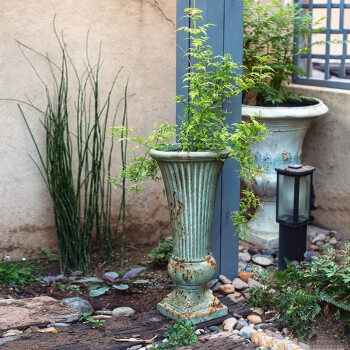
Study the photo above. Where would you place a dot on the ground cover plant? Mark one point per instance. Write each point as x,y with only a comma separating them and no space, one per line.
162,253
17,272
78,156
181,333
304,289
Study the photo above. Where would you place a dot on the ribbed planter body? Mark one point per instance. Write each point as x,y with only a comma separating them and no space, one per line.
287,128
191,180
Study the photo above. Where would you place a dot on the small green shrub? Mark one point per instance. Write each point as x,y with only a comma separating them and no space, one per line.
300,291
162,253
17,272
180,334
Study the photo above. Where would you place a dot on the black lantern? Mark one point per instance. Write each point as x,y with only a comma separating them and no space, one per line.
294,186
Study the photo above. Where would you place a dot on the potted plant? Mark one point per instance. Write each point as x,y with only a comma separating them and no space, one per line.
270,30
191,169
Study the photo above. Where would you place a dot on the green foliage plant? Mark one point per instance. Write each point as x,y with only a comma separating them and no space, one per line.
270,30
181,333
162,253
78,155
211,81
302,290
16,272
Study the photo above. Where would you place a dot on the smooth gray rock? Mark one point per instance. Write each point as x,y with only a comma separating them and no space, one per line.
136,347
216,287
319,238
242,266
241,323
123,311
245,256
332,241
262,260
79,304
253,283
224,279
262,326
247,332
271,252
59,324
212,283
230,324
239,284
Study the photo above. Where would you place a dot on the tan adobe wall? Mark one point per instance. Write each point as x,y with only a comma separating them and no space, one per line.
136,34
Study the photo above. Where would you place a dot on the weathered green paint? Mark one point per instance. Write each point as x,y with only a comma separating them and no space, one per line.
191,180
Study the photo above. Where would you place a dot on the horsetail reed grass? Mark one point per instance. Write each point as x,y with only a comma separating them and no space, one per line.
75,165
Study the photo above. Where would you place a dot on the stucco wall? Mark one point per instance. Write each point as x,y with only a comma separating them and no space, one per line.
327,147
136,34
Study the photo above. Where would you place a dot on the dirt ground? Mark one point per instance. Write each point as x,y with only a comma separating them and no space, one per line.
142,298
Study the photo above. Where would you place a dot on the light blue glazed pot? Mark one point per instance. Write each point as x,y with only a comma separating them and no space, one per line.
191,179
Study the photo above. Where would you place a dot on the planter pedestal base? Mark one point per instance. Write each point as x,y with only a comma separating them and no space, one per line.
263,230
194,304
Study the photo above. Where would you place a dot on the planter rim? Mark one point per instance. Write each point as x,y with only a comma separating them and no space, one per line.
174,156
288,112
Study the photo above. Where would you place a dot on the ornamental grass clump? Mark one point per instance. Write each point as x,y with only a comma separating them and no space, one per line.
211,80
78,156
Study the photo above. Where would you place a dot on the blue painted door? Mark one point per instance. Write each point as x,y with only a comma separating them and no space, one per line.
225,37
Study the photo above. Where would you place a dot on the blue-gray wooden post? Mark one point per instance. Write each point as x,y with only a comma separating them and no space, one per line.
225,37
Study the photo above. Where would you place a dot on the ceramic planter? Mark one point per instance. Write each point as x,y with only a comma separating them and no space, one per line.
191,180
287,128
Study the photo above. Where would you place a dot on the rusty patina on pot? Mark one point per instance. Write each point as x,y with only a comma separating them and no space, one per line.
191,180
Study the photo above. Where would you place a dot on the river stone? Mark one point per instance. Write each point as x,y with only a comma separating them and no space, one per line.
332,241
229,324
224,279
244,275
136,347
245,256
239,284
262,260
253,283
262,326
314,247
241,266
216,287
254,318
257,310
79,304
319,243
319,238
271,252
235,299
212,283
227,289
123,311
240,248
241,323
247,332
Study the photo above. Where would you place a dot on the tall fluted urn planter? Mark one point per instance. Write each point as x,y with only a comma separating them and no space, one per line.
287,127
191,179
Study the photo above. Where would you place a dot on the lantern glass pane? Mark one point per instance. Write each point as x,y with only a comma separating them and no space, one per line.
286,197
304,198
